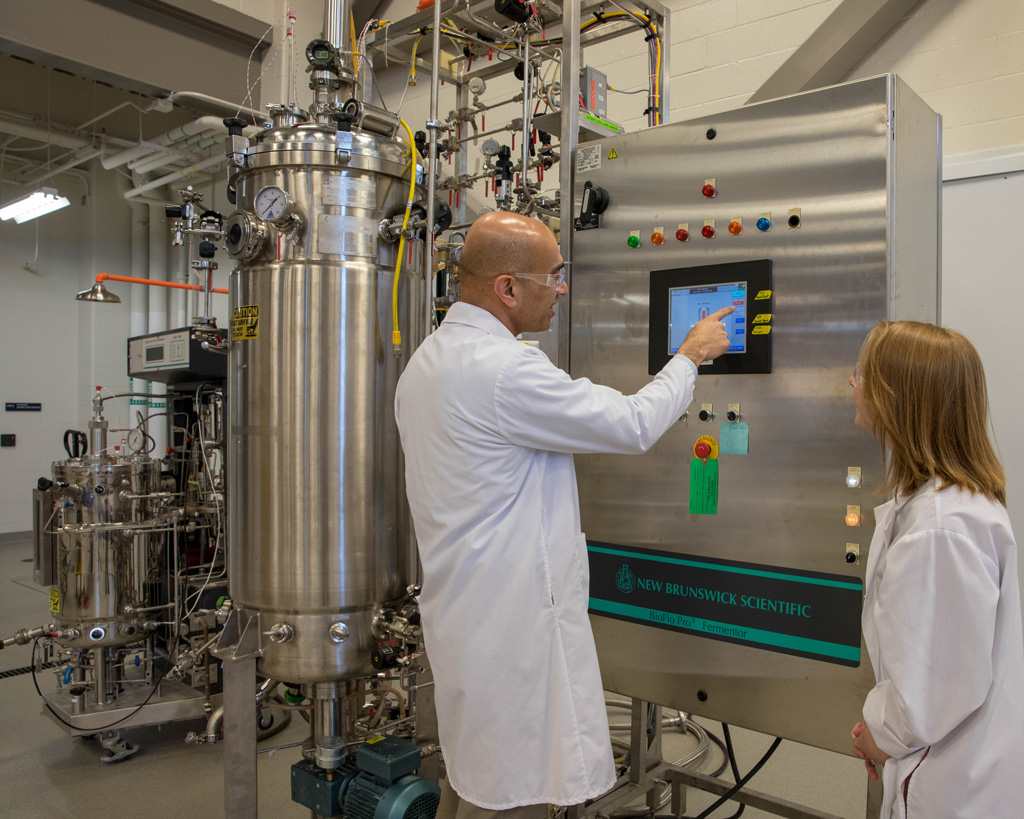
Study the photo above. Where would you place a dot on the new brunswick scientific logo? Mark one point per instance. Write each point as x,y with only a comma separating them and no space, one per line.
625,579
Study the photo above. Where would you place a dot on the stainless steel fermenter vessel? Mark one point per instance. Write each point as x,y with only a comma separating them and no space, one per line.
319,530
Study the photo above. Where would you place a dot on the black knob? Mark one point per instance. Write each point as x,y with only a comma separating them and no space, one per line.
344,120
43,484
851,557
704,415
442,217
384,657
207,249
702,695
235,125
173,211
794,221
711,134
732,415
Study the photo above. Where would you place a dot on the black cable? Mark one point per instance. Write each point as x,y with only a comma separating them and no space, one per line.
725,754
58,717
725,797
733,765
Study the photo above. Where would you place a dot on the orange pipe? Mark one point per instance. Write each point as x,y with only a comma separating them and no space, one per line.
102,277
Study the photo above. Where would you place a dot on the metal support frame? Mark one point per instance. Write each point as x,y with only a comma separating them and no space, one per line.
240,781
399,43
648,773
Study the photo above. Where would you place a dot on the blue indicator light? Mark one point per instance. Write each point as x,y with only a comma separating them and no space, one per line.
763,224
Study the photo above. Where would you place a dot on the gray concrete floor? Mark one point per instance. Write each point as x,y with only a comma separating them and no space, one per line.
47,774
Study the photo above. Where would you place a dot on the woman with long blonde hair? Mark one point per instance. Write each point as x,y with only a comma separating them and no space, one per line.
942,616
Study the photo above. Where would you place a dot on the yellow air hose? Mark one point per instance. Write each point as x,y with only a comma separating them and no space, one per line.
396,334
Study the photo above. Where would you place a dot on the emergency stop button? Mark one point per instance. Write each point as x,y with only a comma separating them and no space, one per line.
702,449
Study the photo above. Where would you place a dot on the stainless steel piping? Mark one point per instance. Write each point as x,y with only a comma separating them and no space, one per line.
431,163
524,194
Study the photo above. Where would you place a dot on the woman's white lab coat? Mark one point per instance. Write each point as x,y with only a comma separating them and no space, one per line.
942,624
488,426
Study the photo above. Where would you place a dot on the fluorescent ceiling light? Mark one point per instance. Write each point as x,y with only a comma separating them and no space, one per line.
43,201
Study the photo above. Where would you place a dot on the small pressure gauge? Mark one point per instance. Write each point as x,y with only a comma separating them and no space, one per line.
490,147
273,205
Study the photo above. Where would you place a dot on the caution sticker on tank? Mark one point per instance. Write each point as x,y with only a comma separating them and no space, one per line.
55,601
245,322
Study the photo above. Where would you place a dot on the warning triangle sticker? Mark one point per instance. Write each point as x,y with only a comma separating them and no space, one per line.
613,154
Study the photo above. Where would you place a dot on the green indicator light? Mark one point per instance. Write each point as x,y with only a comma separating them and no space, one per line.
633,241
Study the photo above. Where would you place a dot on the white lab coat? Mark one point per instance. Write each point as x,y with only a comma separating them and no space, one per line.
488,426
942,625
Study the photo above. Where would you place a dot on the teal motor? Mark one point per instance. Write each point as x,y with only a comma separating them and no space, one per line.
377,782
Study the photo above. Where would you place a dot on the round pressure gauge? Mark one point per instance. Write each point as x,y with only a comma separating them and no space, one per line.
273,204
490,147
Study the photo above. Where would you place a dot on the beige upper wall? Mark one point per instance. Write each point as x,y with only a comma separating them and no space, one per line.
965,58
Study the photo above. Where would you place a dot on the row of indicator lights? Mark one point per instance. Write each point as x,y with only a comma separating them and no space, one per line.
853,514
764,224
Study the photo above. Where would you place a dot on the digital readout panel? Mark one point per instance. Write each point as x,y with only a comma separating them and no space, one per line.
682,296
688,305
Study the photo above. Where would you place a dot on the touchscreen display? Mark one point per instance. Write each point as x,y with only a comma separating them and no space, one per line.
688,305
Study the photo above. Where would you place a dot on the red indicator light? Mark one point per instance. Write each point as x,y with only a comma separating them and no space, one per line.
657,238
707,231
682,234
708,190
735,228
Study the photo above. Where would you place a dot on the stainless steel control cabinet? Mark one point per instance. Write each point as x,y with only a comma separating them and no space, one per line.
708,612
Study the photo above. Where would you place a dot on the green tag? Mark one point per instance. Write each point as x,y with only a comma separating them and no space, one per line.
703,487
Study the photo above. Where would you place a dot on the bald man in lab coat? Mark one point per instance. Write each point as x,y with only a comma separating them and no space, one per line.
489,427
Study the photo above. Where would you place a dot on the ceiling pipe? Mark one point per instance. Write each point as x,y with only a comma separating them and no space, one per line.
176,176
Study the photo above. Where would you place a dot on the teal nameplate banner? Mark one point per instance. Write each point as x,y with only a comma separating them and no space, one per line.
809,614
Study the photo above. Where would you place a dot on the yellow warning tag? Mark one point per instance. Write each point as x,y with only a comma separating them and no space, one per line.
55,601
613,154
372,740
762,318
245,322
764,294
761,330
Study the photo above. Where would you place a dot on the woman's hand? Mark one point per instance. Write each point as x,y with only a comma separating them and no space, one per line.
864,746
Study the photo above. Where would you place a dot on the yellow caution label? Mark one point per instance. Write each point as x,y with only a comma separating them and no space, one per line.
761,330
613,154
372,740
762,318
245,322
763,294
55,601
